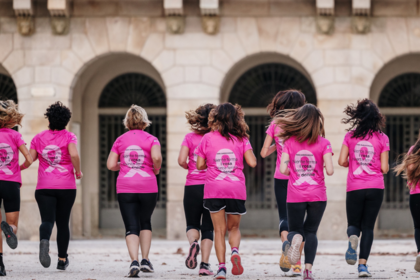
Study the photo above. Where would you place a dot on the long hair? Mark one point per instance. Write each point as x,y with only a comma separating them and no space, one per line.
306,123
412,160
136,118
9,114
229,120
364,118
199,118
286,99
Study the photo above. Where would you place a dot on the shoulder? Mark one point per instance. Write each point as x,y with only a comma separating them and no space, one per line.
71,135
383,136
324,141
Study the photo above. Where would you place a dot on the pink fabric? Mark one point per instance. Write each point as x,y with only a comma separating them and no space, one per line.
225,162
136,173
416,190
365,161
55,169
195,176
306,180
10,141
273,130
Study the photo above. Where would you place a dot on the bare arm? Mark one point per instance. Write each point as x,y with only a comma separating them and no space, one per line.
267,148
343,160
284,166
201,163
157,159
27,155
183,156
34,154
385,162
329,167
112,163
75,160
250,158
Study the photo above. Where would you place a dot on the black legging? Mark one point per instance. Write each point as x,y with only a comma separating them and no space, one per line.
306,227
136,211
280,189
196,215
415,213
55,206
362,210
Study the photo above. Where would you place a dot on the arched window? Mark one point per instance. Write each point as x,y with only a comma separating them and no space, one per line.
402,91
7,88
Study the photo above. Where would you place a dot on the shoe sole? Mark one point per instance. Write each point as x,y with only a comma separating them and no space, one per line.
191,261
417,265
146,269
237,268
220,277
293,253
44,250
134,273
205,272
11,238
284,260
351,253
364,275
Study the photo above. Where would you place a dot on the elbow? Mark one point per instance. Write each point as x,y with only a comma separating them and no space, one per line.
330,173
182,163
201,167
262,154
157,159
253,164
385,170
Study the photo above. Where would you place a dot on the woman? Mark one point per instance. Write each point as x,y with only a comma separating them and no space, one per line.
287,99
11,142
365,153
59,162
222,151
197,217
305,153
136,154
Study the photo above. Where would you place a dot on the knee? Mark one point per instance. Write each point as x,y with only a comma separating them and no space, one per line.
193,227
207,234
146,225
46,225
284,226
232,227
132,230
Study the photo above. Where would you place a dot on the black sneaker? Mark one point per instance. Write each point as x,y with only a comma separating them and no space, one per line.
11,238
134,269
62,265
2,271
44,250
146,266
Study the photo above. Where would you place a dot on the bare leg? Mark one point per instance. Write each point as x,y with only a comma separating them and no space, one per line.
308,266
145,243
193,235
362,261
219,224
12,218
233,230
206,245
133,242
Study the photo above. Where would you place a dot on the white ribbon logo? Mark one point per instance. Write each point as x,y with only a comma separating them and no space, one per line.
52,154
196,171
6,156
134,158
225,162
364,152
305,165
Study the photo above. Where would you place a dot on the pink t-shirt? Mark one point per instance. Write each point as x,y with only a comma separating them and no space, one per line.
55,169
10,141
225,162
306,180
195,176
136,168
416,190
365,161
272,131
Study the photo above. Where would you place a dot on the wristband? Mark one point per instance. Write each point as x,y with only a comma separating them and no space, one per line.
157,169
23,167
78,174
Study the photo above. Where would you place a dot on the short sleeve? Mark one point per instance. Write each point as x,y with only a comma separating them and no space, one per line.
186,141
72,138
346,140
247,145
116,146
19,139
155,141
34,143
270,130
201,149
286,147
385,143
327,148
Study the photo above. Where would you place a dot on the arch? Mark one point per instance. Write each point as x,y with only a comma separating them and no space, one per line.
401,91
7,86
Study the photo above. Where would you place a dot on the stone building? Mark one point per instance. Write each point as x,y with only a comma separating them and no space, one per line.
169,56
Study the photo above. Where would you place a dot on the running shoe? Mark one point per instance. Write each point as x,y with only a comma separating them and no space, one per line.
307,275
351,253
134,269
297,269
205,270
221,273
293,252
44,250
191,261
146,266
11,238
62,265
284,260
237,268
417,265
2,271
363,271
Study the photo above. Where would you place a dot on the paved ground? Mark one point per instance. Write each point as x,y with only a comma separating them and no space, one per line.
108,259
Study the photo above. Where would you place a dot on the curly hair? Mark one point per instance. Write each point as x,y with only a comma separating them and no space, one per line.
9,114
306,123
58,115
199,118
286,99
364,118
410,166
136,118
229,120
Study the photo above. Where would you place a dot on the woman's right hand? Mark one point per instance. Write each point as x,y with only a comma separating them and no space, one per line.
79,175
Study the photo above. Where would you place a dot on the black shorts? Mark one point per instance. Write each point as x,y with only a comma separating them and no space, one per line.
231,206
10,194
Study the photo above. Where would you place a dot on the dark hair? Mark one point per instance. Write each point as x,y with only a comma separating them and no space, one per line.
286,99
412,158
229,120
58,115
364,118
306,123
199,118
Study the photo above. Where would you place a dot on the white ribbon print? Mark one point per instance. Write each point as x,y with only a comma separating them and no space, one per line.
305,165
52,154
6,156
363,153
134,158
226,162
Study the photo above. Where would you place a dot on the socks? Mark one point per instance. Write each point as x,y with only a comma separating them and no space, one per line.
235,250
222,265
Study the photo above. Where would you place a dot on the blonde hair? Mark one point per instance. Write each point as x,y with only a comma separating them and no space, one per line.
136,118
9,114
412,158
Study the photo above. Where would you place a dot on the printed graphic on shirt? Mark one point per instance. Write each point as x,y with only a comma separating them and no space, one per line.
226,163
6,156
305,165
52,154
134,158
364,153
196,171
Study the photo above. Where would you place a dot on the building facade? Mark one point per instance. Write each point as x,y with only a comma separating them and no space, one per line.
99,57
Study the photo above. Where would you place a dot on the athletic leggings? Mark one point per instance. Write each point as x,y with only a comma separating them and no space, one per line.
55,206
136,211
280,189
306,227
196,215
415,213
362,210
